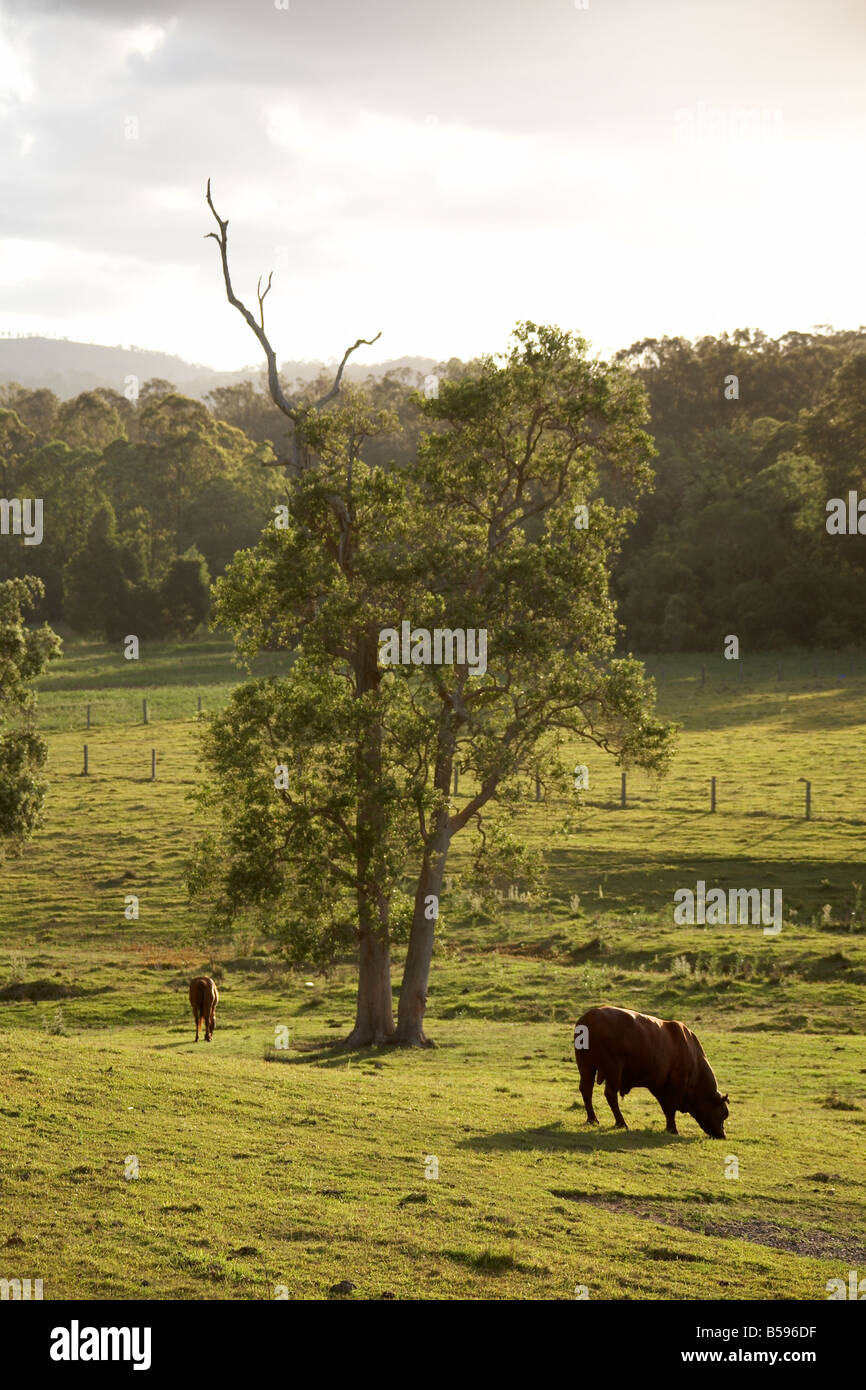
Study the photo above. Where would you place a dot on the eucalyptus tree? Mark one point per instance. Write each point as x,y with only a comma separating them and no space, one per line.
332,790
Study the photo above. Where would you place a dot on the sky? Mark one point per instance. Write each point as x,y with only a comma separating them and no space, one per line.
436,171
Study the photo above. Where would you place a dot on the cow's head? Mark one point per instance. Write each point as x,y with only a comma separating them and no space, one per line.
711,1113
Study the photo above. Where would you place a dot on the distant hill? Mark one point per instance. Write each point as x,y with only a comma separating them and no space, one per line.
68,367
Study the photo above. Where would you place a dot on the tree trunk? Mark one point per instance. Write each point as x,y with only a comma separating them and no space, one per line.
374,1017
416,972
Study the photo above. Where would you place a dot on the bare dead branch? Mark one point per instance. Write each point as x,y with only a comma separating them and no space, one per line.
278,396
329,395
295,410
260,296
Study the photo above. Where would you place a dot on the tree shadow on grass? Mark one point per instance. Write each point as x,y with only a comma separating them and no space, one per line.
553,1138
328,1054
647,883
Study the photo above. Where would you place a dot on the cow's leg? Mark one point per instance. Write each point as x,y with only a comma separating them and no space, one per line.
197,1023
610,1072
587,1081
209,1028
670,1111
610,1097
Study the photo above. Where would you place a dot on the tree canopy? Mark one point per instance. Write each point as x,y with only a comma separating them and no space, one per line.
24,654
331,789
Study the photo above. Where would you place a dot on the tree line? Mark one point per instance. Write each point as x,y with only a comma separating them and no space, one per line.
733,538
143,502
146,501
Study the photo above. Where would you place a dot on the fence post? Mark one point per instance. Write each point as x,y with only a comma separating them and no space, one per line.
144,711
622,792
84,772
808,798
455,782
712,793
88,716
153,764
199,704
537,787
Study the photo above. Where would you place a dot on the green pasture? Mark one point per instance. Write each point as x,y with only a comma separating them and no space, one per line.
264,1167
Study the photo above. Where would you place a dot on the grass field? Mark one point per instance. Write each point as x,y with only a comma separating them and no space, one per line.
261,1168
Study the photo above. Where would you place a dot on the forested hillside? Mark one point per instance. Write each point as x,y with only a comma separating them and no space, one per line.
734,537
146,501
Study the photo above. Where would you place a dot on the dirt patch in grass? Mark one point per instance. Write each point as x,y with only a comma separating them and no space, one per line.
797,1241
821,1245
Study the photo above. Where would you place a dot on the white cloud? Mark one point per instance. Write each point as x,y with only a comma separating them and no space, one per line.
16,77
436,175
445,157
144,39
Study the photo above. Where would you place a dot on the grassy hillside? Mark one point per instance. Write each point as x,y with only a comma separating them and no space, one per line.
262,1167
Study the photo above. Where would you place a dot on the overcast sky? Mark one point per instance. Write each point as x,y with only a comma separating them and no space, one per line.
435,170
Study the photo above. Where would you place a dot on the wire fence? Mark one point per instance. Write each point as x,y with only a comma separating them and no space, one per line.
816,775
768,795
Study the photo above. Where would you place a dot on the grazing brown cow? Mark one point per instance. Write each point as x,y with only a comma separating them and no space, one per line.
625,1049
204,997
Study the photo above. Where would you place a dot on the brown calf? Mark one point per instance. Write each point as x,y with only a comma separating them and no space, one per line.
204,997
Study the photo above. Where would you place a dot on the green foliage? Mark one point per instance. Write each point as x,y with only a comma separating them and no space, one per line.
325,853
173,477
15,438
283,853
185,593
734,537
95,584
24,653
36,408
731,539
88,421
109,591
